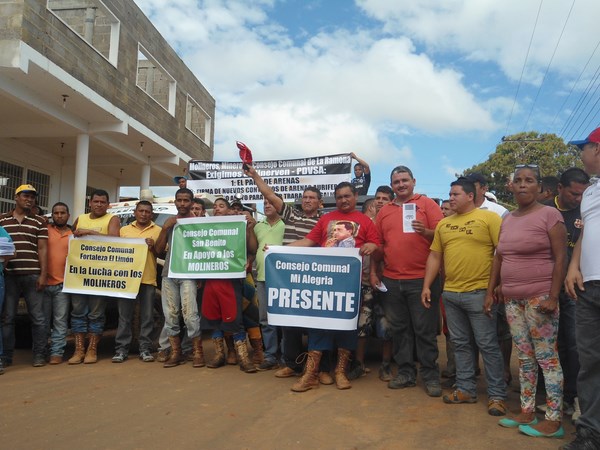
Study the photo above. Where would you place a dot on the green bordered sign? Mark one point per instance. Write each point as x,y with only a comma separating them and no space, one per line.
209,247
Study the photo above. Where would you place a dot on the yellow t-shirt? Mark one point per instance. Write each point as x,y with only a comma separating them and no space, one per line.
468,242
151,231
100,224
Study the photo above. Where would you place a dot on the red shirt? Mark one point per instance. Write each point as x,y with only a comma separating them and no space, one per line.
405,254
338,229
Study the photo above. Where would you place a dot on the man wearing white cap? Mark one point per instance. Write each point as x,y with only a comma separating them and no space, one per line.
583,282
26,273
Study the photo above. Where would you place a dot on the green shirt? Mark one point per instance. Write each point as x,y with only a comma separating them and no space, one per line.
266,235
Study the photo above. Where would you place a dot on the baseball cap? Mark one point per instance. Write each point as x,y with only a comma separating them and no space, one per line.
476,177
25,188
593,137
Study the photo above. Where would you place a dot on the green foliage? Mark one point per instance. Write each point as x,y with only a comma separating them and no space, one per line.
548,151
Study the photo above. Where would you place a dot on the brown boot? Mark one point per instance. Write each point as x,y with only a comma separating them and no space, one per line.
79,354
175,358
242,355
341,380
258,356
198,352
310,378
231,356
91,356
219,358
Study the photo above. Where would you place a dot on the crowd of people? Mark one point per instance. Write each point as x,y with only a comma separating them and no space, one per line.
529,276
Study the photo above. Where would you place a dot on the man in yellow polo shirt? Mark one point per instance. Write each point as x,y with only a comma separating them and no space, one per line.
88,310
141,227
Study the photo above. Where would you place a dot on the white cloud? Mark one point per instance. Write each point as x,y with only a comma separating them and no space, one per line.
489,30
339,91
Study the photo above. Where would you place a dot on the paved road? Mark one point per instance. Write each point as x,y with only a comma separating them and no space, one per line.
138,405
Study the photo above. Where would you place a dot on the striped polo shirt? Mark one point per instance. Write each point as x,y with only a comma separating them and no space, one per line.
25,236
297,225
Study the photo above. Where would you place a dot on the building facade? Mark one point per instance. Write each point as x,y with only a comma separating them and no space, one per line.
93,97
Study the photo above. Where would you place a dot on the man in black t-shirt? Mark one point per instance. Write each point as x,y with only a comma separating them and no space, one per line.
572,183
362,175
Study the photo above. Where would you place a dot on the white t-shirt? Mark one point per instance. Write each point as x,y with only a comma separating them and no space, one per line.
590,215
494,207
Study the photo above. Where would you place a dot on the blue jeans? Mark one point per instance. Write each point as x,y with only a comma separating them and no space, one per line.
464,311
567,346
56,310
126,308
88,313
16,285
269,332
588,344
179,297
410,324
323,340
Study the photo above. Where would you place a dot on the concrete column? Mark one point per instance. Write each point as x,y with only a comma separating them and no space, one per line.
81,173
145,178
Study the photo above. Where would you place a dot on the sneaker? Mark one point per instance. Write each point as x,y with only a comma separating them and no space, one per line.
119,357
146,356
585,439
459,396
163,355
39,361
496,407
401,381
267,365
385,372
433,389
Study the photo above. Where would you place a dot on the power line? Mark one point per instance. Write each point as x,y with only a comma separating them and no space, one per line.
575,84
574,117
523,69
549,64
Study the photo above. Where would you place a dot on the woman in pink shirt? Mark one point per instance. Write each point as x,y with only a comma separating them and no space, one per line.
530,264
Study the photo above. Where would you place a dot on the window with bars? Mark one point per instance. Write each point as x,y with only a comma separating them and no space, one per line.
41,183
12,176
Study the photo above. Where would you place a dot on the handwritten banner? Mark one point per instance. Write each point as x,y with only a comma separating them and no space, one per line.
313,287
209,247
105,265
288,177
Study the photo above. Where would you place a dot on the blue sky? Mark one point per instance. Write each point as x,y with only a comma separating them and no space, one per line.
425,83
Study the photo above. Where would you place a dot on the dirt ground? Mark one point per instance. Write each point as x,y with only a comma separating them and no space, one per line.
138,405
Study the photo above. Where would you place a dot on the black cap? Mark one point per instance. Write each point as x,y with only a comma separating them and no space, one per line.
477,177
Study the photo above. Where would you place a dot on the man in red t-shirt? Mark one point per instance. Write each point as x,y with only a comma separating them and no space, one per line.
329,231
406,227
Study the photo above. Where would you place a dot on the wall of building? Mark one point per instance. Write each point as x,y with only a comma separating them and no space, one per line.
47,34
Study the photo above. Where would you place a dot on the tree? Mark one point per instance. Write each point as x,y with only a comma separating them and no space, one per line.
548,151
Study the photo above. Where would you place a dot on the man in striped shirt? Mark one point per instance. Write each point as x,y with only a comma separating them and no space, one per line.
26,273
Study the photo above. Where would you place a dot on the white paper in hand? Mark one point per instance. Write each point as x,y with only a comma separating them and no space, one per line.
409,213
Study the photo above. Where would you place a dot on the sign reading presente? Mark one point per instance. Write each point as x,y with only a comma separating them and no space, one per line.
209,247
288,177
313,287
105,265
